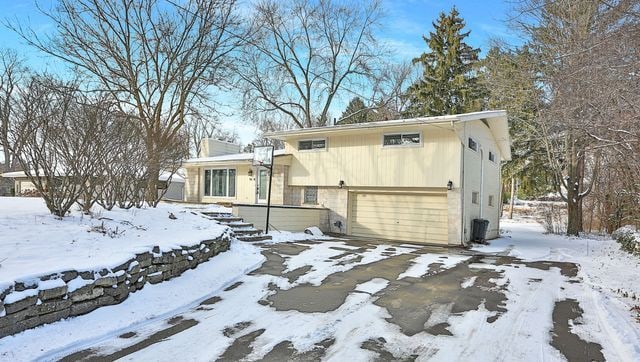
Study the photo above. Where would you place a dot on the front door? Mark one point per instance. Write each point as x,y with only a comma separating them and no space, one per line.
263,183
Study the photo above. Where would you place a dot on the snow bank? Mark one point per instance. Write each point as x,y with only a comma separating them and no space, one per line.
141,309
35,243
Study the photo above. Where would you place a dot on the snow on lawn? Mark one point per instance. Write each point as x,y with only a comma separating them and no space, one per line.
34,242
146,306
609,285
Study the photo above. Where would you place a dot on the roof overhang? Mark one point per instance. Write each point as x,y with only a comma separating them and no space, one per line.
497,121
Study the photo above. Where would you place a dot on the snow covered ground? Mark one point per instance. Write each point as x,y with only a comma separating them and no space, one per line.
34,243
350,300
609,290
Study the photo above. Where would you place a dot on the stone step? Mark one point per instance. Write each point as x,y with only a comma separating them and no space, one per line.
254,237
243,232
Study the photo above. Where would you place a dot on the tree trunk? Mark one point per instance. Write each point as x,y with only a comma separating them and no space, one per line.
153,173
513,197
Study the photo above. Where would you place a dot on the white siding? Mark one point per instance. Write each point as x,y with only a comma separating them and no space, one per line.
475,164
294,219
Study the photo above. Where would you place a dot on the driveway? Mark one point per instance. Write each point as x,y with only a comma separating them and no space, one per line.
364,300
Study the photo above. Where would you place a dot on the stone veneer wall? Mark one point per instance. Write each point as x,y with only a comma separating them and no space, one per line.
71,293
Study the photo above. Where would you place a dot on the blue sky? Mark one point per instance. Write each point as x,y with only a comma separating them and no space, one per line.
402,28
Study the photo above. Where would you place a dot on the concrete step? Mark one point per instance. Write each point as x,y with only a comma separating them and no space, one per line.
237,224
216,214
243,232
228,219
254,237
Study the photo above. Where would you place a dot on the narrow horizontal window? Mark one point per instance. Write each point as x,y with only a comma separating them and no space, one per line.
473,144
312,145
401,139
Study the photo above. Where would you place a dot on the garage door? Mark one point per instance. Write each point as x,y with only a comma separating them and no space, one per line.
411,217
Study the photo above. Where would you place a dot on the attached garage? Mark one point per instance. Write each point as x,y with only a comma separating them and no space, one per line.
415,217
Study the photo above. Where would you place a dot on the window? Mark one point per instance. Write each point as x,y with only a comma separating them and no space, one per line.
220,182
475,197
311,195
490,200
473,144
312,145
492,156
401,139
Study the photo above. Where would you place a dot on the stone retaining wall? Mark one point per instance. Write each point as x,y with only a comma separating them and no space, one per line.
71,293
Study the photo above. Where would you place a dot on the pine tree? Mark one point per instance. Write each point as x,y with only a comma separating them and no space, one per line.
511,79
449,84
356,112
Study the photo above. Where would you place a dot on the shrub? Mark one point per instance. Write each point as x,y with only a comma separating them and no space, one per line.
628,238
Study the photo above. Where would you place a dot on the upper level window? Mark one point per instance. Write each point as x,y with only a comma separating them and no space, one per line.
492,156
401,139
312,145
220,182
473,144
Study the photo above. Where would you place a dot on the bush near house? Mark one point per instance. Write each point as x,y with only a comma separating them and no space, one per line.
628,238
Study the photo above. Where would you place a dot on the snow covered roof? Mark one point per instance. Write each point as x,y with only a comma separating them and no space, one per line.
247,156
496,120
177,177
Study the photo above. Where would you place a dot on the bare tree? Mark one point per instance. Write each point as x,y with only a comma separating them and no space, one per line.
157,60
57,137
12,74
303,54
588,65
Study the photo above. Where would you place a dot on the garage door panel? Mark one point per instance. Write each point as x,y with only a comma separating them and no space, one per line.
371,222
403,210
411,217
404,236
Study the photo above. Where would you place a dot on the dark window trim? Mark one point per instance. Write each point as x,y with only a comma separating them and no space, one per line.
313,149
228,188
402,134
473,142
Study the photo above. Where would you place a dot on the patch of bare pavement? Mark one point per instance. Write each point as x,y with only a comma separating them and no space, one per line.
415,304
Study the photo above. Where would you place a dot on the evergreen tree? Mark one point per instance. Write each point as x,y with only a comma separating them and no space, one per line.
449,84
356,112
510,76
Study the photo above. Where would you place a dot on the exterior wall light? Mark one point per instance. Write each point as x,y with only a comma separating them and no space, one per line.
250,173
341,184
450,185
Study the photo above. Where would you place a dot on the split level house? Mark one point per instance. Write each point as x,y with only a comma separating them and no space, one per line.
420,180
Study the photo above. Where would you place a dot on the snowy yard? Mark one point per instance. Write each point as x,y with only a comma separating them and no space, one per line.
34,243
528,296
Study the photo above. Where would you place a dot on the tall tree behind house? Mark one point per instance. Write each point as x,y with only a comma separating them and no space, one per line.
449,84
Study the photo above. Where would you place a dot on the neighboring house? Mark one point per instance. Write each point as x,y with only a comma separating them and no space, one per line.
175,187
421,179
21,183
